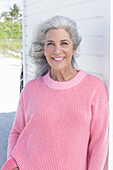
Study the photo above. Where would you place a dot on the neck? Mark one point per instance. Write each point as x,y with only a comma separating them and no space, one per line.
63,75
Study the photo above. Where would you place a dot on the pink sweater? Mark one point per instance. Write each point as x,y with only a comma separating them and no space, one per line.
60,125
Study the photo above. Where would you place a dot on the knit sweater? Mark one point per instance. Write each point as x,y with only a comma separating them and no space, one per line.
60,125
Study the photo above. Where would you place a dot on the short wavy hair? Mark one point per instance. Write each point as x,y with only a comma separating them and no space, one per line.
38,42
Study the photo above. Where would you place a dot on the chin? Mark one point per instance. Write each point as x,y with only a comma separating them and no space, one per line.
58,68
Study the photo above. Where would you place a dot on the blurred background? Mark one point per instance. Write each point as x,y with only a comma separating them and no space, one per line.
10,67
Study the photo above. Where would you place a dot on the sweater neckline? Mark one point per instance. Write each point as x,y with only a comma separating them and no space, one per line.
64,85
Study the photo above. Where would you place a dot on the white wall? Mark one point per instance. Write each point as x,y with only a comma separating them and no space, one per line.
92,17
111,89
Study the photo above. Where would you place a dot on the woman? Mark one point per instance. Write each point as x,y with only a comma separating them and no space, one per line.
62,117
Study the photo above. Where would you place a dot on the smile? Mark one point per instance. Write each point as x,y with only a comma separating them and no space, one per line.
58,59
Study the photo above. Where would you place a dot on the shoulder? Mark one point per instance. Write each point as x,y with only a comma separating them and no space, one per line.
30,85
99,90
94,81
95,85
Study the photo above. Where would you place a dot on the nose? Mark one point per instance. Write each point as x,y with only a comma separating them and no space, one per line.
57,49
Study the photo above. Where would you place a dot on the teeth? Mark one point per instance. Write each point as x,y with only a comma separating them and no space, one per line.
58,58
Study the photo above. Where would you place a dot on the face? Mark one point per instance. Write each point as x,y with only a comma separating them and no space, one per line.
58,49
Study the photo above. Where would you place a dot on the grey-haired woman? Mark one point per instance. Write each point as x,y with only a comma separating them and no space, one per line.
62,118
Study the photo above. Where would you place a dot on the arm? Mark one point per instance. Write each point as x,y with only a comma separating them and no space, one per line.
98,146
17,128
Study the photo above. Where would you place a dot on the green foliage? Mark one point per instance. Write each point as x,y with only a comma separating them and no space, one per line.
14,11
10,30
13,46
13,14
10,48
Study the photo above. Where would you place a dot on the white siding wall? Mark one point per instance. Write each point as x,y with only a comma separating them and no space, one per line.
111,90
92,17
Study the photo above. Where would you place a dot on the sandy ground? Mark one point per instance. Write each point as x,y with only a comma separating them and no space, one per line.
9,96
9,84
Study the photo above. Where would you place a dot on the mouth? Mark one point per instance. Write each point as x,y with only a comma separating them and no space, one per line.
58,59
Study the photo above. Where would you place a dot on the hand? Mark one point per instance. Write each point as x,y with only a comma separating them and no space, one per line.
15,168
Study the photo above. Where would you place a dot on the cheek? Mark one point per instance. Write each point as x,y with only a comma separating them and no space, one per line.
47,52
70,53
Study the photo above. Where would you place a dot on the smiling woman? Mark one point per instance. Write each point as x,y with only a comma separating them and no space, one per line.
59,50
64,36
62,118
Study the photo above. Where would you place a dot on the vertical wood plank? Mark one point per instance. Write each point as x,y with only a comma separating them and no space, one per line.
111,89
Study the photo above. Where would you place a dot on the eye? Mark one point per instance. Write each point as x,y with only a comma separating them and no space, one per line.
50,44
64,43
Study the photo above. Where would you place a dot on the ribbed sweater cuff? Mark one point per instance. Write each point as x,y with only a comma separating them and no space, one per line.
10,164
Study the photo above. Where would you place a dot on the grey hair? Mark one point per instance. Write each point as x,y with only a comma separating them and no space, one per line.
36,51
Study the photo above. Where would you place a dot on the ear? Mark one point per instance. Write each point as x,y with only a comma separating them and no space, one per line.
74,49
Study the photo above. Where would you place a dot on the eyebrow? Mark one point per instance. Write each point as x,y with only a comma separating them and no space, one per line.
49,41
65,40
53,41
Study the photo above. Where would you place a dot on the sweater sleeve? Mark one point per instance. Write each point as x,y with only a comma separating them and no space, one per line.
98,145
10,164
18,126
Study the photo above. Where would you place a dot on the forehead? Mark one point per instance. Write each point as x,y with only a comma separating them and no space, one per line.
59,33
